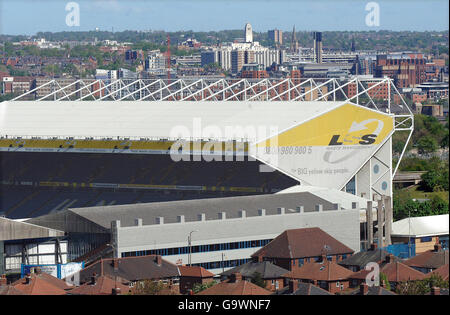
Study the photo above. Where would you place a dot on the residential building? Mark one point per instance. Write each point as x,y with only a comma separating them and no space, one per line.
270,273
295,287
442,271
192,275
359,261
327,275
295,248
364,289
39,283
133,269
102,285
235,286
429,260
395,272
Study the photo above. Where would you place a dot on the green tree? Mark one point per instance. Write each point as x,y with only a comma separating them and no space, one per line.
258,280
427,144
198,287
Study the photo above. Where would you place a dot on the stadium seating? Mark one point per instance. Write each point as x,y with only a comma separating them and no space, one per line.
34,184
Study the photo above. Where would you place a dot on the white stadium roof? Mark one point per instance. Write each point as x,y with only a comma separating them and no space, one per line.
421,226
140,119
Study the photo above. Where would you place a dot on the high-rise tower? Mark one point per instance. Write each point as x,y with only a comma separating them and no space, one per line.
248,33
317,47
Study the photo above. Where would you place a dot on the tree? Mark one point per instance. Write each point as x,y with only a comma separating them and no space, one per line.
148,287
258,280
427,144
421,287
198,287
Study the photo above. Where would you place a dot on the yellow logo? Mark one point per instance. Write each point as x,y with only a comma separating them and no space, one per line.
346,125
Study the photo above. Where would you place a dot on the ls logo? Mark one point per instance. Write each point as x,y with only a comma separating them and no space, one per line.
365,139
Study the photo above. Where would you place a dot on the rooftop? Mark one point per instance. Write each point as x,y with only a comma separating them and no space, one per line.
421,226
299,243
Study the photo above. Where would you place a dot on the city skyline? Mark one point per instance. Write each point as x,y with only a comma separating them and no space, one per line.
26,17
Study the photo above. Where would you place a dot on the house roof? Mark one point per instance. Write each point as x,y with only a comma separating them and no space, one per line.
240,287
267,270
103,286
373,290
395,272
131,268
361,259
326,271
430,259
442,271
195,271
398,271
41,284
305,289
299,243
421,226
9,290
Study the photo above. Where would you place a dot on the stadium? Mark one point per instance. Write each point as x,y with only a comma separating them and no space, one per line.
98,146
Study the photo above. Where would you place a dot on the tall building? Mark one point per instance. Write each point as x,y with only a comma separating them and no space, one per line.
248,33
317,47
407,69
294,42
275,36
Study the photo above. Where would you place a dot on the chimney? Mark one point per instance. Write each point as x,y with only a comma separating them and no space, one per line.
437,247
115,291
293,285
158,260
363,289
435,291
27,279
93,277
389,258
235,277
3,280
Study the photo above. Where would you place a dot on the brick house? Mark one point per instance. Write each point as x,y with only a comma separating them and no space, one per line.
235,286
395,272
102,285
191,275
294,248
327,275
430,260
270,273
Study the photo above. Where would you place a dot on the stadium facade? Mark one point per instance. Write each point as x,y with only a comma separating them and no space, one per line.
149,141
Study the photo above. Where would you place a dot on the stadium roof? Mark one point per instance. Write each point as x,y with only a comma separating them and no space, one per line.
140,119
421,226
102,216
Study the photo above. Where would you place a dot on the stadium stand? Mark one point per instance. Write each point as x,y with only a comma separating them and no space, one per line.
38,183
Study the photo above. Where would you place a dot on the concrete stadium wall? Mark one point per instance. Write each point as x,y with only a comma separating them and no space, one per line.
344,225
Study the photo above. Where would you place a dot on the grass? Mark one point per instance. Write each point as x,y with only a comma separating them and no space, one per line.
420,194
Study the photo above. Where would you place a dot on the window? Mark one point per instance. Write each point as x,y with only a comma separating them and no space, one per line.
426,239
337,284
301,261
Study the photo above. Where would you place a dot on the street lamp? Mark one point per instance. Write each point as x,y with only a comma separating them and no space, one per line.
190,245
409,233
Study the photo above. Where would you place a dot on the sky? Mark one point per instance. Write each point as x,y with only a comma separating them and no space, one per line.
26,17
